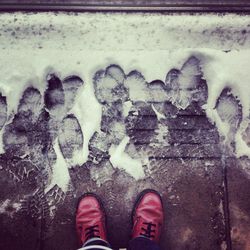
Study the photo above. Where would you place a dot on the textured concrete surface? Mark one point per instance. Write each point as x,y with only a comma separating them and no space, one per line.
204,187
239,202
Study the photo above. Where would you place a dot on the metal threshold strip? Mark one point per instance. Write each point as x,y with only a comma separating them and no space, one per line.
175,7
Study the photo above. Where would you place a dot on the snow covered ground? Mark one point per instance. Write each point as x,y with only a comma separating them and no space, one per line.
32,46
74,87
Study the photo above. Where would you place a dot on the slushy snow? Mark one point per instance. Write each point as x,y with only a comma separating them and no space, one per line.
33,44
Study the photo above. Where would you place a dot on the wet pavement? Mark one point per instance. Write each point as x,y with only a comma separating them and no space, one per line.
205,188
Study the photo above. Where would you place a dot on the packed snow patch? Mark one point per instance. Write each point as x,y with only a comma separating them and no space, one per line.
158,114
60,172
122,160
88,113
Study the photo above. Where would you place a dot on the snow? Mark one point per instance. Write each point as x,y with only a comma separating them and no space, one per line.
1,142
241,146
242,149
122,160
126,108
34,44
158,114
226,69
88,113
231,70
60,175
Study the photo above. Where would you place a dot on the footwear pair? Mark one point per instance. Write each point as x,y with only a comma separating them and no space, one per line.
147,217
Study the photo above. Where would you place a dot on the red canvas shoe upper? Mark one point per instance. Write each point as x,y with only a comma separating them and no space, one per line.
90,219
148,216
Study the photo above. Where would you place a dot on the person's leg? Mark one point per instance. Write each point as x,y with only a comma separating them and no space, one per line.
140,243
148,219
96,244
91,223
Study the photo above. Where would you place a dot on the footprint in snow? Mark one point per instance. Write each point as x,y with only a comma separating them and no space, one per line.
70,136
186,85
229,110
111,93
54,97
28,132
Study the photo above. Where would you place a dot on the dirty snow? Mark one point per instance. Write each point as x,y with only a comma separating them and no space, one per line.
120,159
60,174
32,45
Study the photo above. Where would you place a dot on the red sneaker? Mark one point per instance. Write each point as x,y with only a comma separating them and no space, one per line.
90,218
148,216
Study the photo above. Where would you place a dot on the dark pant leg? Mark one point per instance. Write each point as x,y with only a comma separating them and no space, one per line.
97,243
141,243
